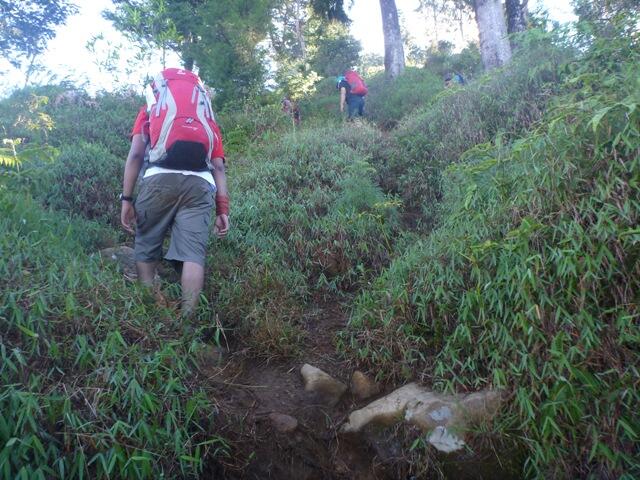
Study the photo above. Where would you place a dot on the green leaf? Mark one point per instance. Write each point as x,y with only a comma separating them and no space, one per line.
11,442
597,118
28,332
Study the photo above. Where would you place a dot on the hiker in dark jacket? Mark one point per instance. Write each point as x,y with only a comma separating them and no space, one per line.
355,103
452,79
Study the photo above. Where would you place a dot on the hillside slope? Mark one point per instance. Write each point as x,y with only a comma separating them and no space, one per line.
486,239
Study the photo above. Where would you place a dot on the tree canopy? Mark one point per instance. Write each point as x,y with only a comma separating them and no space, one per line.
26,26
229,42
331,10
221,38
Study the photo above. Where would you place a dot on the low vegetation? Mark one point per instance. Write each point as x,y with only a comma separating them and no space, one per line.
530,284
311,223
506,104
479,236
97,381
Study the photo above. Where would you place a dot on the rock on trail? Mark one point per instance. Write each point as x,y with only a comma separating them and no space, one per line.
443,417
327,389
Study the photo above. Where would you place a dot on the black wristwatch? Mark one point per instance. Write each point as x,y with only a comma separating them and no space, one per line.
124,198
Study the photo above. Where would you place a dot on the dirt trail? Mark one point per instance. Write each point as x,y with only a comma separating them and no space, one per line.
249,390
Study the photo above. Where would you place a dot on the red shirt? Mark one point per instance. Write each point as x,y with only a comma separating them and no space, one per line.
141,126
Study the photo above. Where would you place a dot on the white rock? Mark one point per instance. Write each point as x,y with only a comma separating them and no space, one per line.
481,406
385,411
426,410
328,389
431,410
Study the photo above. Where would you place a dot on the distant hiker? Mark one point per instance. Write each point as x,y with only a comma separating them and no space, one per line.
454,78
458,78
296,113
291,108
286,105
186,168
352,92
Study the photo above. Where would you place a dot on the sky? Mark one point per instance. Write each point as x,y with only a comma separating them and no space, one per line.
68,58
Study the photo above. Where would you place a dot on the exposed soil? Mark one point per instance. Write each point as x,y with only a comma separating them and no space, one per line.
248,390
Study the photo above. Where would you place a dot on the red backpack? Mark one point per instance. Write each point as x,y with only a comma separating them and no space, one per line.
358,87
180,122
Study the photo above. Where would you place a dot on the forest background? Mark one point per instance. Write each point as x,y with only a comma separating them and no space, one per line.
87,46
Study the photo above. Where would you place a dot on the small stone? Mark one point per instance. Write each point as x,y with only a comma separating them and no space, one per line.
211,355
123,257
283,423
328,389
362,386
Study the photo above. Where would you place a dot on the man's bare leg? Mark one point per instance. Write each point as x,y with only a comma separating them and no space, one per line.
146,272
146,276
192,282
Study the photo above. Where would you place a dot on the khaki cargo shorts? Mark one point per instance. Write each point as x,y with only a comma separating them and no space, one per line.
176,202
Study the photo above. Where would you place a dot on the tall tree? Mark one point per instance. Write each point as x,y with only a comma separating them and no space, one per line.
517,15
289,18
228,50
393,48
292,45
599,16
495,49
163,24
334,49
26,26
332,10
453,14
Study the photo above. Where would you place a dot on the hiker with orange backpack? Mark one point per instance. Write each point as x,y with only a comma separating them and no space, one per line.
186,168
352,92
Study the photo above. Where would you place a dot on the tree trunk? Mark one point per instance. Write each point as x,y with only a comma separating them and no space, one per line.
494,44
434,11
188,62
186,52
30,69
299,24
393,49
517,14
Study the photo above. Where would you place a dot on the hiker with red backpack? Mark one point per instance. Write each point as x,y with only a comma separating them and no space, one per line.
186,167
352,92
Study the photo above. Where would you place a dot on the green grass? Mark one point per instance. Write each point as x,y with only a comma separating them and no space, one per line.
505,103
309,223
389,101
530,285
96,383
